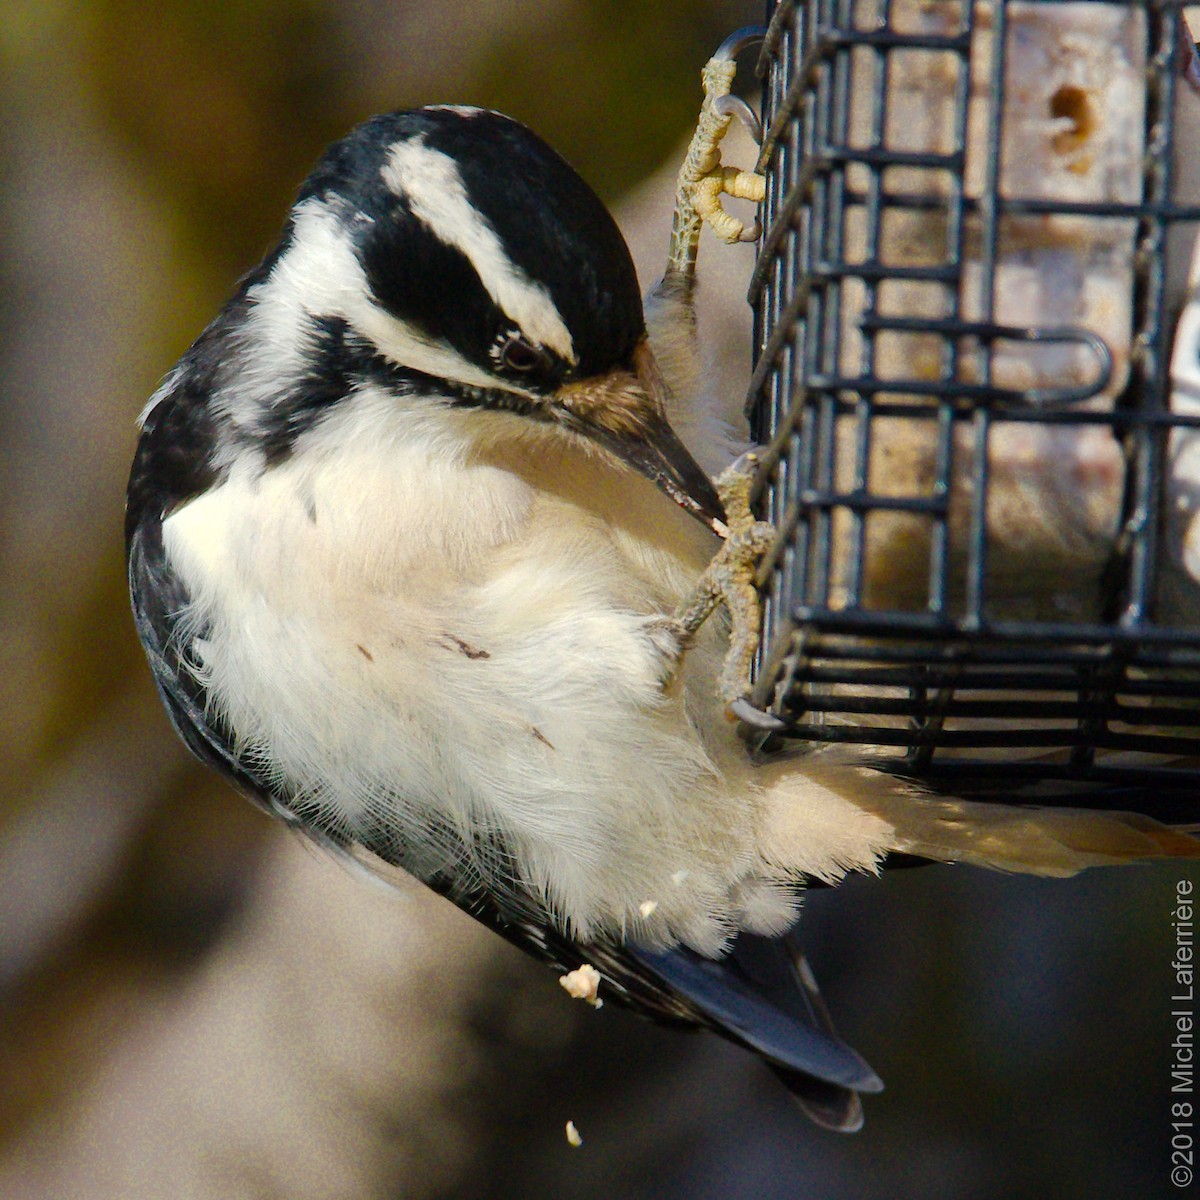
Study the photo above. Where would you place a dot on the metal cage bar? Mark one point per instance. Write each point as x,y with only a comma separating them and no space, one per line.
901,384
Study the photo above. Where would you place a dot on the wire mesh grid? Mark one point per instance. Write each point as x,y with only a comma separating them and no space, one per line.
975,247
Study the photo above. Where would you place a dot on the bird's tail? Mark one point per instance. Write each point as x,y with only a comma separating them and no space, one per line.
827,808
1033,840
763,996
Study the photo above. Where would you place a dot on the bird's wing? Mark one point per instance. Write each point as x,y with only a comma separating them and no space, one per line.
761,995
159,599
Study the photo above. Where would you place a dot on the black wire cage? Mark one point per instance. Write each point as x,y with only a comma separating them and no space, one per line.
976,236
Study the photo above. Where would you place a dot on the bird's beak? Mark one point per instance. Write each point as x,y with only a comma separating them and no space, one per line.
624,411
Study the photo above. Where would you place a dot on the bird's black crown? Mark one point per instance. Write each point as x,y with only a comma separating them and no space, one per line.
551,224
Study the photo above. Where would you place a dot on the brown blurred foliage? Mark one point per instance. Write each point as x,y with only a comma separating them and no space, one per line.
149,153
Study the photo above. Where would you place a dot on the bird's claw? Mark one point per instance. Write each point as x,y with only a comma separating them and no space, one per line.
702,179
742,710
730,580
727,181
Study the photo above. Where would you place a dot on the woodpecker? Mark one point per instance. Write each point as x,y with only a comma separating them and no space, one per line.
410,528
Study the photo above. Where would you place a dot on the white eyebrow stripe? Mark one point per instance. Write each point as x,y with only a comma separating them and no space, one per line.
433,186
320,274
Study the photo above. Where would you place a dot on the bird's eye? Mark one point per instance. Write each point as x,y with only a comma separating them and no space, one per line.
519,355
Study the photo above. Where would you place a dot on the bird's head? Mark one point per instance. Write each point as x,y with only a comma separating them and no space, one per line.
450,253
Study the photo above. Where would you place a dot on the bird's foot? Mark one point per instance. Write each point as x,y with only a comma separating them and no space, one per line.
669,638
703,180
730,580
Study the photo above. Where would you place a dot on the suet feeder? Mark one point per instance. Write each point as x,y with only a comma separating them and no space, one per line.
974,260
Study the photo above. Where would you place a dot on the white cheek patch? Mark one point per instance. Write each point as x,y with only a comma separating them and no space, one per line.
431,183
320,274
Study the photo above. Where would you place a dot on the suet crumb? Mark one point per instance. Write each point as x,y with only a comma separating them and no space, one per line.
582,984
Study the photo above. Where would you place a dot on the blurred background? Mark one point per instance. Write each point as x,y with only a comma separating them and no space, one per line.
195,1004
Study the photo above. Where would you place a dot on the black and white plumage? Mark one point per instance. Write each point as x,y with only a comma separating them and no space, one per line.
396,579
